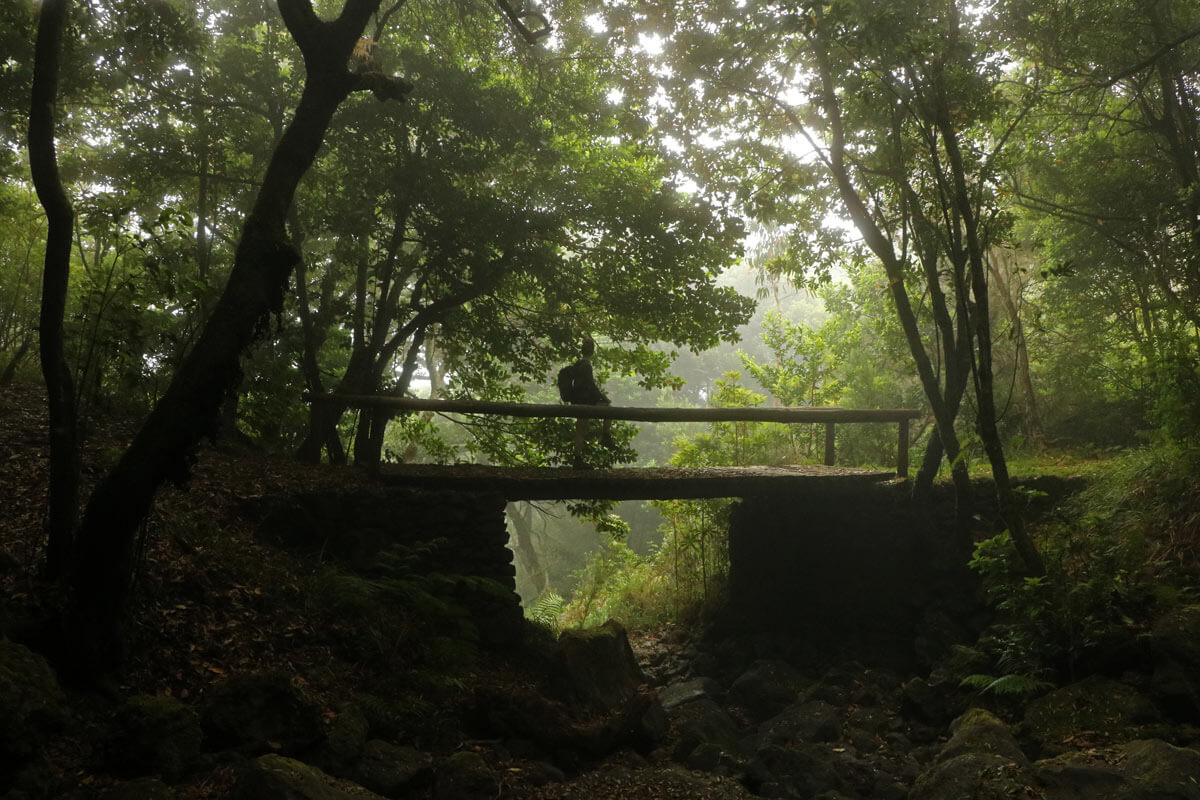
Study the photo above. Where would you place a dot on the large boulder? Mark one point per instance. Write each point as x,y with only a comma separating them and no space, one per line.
597,668
981,731
260,713
1175,643
976,776
155,734
276,777
802,771
813,721
1109,710
1146,769
766,688
32,704
980,762
1160,770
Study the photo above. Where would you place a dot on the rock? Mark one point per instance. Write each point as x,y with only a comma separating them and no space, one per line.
1107,709
685,691
814,721
1077,776
872,720
1161,771
155,734
803,771
597,667
981,731
276,777
765,688
141,789
1175,644
1147,769
920,700
980,762
257,713
975,776
465,776
346,737
32,704
703,723
392,770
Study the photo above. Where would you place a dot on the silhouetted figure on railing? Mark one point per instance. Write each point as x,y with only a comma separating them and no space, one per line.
577,385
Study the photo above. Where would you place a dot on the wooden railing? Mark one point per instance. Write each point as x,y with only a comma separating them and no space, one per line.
827,416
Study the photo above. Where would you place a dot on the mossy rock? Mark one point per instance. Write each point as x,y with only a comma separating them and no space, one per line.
276,777
32,703
156,734
976,776
1104,709
260,713
981,731
392,770
597,668
465,775
1161,770
700,723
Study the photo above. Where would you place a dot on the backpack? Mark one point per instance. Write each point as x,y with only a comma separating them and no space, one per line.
566,383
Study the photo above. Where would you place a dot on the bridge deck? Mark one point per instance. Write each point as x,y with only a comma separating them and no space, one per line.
646,483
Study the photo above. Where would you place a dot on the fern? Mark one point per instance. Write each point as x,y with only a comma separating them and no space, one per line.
547,610
1006,685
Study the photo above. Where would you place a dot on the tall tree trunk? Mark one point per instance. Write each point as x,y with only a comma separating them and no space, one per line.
985,396
943,411
63,500
164,447
1009,297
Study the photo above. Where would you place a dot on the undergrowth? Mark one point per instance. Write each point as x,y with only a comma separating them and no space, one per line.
1121,553
397,616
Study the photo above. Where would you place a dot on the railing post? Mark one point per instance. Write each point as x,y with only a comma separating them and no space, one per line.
829,454
902,450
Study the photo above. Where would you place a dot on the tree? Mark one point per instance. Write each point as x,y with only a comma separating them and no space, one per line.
1110,182
189,410
63,495
901,117
513,207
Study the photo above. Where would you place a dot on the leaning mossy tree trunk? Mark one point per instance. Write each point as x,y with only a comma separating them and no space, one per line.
164,447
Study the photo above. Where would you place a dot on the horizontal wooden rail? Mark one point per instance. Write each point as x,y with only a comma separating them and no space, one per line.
788,415
791,414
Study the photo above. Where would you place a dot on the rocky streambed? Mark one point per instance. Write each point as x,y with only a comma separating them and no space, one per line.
603,719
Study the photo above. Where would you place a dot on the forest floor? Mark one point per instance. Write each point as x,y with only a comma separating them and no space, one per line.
211,601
